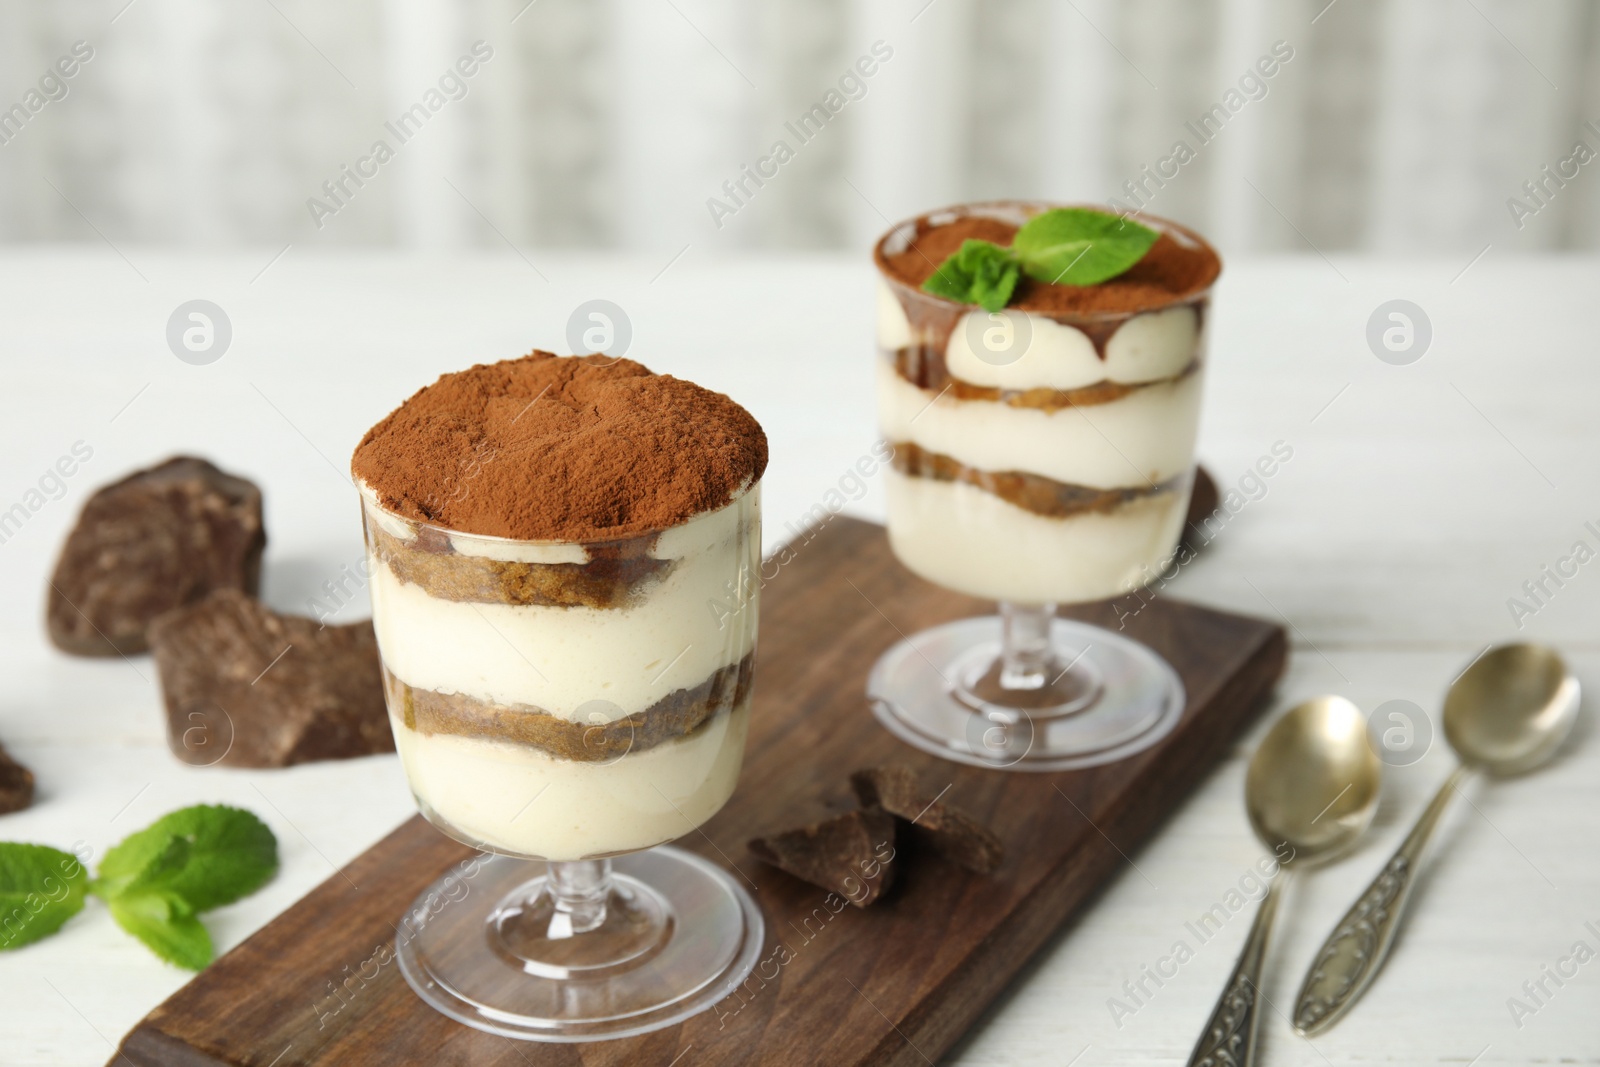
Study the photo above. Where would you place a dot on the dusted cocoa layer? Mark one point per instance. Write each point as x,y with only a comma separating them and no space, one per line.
616,571
1179,269
1179,266
678,714
551,448
1031,492
926,369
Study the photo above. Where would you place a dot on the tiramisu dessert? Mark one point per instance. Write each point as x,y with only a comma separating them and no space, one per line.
563,554
1042,452
549,538
1039,381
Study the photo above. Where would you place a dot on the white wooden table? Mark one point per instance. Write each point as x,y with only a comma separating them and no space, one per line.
1418,500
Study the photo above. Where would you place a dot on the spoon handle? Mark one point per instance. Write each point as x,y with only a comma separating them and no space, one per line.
1354,953
1229,1038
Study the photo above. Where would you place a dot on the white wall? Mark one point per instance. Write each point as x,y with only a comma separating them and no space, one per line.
1398,125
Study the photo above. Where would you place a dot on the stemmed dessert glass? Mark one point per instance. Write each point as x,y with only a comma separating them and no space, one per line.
1043,455
567,709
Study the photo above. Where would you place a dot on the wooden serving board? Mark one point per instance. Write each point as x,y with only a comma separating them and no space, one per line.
897,983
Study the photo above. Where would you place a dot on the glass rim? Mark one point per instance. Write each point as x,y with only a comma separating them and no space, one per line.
994,209
369,499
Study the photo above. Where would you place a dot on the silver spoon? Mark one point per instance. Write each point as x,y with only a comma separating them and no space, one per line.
1312,785
1507,714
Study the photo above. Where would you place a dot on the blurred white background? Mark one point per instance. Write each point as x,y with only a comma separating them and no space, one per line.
1395,126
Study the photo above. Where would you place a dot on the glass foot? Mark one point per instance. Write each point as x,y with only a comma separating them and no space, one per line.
580,951
1080,697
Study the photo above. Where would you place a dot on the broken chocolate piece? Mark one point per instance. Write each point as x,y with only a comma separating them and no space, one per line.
1203,503
156,540
16,784
247,687
851,854
955,835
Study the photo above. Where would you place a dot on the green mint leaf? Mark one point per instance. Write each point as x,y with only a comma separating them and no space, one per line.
1079,246
40,889
162,870
207,855
979,272
166,924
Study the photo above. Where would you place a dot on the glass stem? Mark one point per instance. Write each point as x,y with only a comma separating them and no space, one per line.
579,890
1025,661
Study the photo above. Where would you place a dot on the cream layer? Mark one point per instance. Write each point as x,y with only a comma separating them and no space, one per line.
970,540
1146,348
1144,437
518,799
581,663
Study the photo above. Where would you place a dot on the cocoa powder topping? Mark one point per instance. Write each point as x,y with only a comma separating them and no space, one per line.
1171,270
560,448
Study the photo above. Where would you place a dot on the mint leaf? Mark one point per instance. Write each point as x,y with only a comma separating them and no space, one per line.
154,882
1079,246
206,855
40,889
1062,246
161,871
166,924
979,272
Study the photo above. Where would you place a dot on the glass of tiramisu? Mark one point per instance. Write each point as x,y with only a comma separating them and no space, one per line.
562,554
1039,380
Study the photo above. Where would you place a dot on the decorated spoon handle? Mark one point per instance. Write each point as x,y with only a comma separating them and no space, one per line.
1229,1039
1354,953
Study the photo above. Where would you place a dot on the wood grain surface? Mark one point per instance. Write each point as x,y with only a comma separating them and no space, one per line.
894,984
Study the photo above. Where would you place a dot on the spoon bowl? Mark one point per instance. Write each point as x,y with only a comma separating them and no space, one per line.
1510,711
1313,782
1312,785
1507,713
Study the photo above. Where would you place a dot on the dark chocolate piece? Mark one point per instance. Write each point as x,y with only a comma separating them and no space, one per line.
156,540
246,687
851,854
1203,503
16,784
955,835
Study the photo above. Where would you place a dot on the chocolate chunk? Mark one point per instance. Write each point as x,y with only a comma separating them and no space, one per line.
851,854
156,540
955,835
16,784
246,687
1203,501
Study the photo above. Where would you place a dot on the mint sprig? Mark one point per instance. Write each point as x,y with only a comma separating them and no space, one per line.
979,272
209,855
155,882
1062,246
165,922
40,889
1078,246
